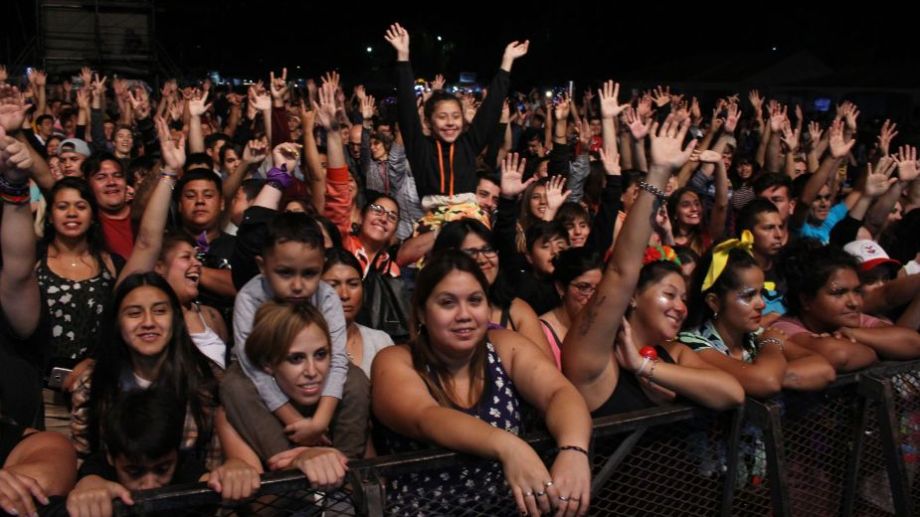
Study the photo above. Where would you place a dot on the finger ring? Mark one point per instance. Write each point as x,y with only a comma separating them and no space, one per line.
548,484
528,494
541,494
563,498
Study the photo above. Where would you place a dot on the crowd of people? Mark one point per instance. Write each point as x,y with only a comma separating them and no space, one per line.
200,284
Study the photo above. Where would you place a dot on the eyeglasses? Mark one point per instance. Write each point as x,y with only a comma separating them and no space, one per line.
485,251
391,216
584,288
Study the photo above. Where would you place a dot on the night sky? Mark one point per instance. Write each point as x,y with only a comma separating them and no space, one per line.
659,42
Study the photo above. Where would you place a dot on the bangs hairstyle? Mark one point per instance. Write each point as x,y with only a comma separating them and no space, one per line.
574,262
546,230
570,211
438,97
430,368
806,266
698,310
292,227
275,327
341,257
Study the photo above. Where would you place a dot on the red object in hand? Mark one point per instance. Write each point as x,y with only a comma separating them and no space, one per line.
649,352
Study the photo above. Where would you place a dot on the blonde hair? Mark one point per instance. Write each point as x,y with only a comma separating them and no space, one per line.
275,327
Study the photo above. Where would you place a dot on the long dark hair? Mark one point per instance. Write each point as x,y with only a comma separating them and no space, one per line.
695,234
185,371
95,239
430,368
451,236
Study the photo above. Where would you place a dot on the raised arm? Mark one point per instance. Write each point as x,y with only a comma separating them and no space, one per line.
197,106
19,293
149,240
587,350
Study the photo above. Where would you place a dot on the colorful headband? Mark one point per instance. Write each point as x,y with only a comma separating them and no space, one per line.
720,256
660,254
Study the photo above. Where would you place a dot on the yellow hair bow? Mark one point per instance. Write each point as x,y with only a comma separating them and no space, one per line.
720,256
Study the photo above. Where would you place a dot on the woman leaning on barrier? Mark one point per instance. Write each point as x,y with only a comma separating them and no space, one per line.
460,386
292,344
825,310
651,297
724,326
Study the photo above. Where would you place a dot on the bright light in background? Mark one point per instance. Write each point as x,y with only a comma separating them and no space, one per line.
370,49
439,38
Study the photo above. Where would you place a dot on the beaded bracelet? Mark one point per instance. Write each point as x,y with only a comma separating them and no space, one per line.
573,448
652,189
771,341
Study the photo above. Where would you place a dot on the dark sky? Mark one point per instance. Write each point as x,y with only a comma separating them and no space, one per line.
644,40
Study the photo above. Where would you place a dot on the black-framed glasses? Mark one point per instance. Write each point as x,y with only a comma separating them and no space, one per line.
485,251
584,288
391,216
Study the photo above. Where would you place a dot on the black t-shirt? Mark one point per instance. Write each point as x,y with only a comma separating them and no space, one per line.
10,436
21,365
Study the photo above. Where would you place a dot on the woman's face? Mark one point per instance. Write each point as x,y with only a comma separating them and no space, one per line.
54,165
302,372
745,170
145,319
446,120
346,281
578,230
182,269
231,160
380,220
124,141
456,315
71,215
378,151
538,201
838,303
543,251
741,309
689,210
580,290
52,146
484,255
661,307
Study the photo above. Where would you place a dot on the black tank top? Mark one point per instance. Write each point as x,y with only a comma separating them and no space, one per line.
628,395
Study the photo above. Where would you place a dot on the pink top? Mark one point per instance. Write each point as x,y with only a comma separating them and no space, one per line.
554,343
792,326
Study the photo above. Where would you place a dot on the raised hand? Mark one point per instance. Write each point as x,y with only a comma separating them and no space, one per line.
666,143
886,135
838,145
562,109
173,154
325,107
140,102
278,87
556,193
515,50
286,156
512,175
814,133
850,115
637,128
756,101
790,137
707,156
255,151
38,78
906,160
778,117
83,99
368,106
609,95
644,107
879,181
661,96
12,108
399,39
3,74
86,74
731,118
197,104
15,160
438,83
584,132
258,98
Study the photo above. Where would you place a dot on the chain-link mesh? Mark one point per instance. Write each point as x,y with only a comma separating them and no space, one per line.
666,461
677,469
873,491
906,387
817,433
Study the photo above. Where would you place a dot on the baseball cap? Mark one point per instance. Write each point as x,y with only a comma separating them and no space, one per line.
869,253
74,145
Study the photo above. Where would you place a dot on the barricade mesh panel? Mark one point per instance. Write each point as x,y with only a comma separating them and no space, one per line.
906,387
873,492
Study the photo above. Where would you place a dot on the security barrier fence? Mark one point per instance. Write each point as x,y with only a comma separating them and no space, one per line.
852,449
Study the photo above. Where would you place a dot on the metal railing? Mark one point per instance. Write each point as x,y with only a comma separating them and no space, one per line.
852,449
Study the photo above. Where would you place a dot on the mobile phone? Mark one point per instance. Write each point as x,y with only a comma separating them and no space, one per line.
57,376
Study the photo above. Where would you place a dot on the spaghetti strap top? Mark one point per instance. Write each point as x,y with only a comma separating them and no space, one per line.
628,395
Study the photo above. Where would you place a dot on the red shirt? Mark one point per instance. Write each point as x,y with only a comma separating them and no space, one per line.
119,235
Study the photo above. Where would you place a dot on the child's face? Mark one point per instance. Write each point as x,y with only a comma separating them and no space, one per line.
292,270
147,473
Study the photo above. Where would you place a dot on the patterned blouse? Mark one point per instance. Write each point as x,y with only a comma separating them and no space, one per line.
470,483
